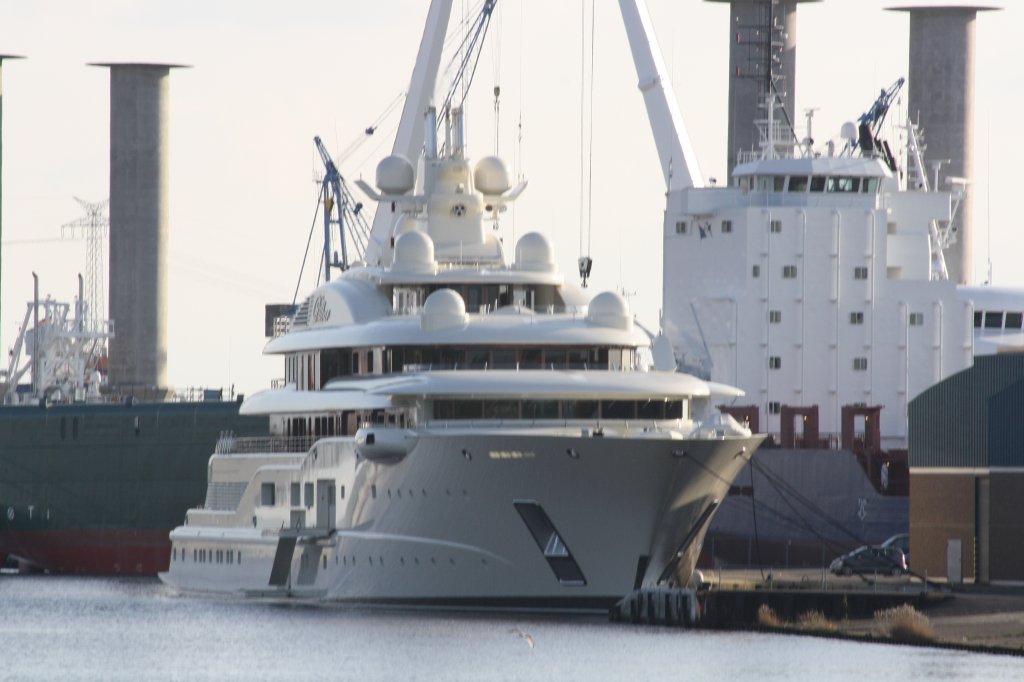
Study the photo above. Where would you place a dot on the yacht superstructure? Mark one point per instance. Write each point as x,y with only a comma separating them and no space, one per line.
459,428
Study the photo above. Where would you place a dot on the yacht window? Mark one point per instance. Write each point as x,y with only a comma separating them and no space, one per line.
1014,320
577,358
308,489
554,358
579,409
857,317
650,409
993,320
917,319
755,271
869,185
860,272
477,358
540,409
355,363
818,183
531,358
798,183
774,407
503,358
764,183
977,319
860,364
501,409
774,362
472,299
680,227
296,496
775,226
779,183
675,409
267,494
789,272
774,316
726,226
618,409
369,361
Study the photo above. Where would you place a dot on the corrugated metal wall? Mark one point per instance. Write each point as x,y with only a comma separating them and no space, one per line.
973,418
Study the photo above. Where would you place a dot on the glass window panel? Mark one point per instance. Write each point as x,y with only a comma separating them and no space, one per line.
993,320
501,409
530,358
618,409
579,409
650,409
540,409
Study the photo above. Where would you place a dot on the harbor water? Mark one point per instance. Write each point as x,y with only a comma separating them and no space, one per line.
130,629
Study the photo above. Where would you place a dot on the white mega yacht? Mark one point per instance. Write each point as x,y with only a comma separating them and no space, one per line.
456,429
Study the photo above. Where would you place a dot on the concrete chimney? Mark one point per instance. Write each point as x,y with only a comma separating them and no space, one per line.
941,99
138,227
762,43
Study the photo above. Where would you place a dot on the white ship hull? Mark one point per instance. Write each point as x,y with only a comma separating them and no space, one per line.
458,521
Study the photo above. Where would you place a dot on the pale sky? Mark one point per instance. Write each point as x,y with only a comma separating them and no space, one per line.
267,77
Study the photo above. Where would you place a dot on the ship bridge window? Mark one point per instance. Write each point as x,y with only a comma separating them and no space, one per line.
869,186
1013,321
977,319
842,184
798,183
993,320
818,183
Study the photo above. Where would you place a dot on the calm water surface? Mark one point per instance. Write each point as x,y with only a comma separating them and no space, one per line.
128,629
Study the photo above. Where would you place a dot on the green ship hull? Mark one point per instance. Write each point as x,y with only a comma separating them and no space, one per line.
96,489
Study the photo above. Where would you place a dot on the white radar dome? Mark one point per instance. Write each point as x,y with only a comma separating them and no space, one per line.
491,176
414,252
534,252
395,175
848,131
443,309
609,309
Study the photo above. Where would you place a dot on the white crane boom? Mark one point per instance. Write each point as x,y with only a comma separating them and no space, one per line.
678,160
409,139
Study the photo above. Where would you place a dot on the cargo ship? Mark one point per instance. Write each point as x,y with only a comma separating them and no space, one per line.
93,480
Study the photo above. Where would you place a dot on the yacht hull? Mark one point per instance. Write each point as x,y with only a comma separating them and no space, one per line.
465,519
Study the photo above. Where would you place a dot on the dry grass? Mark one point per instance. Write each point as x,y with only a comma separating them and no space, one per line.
904,623
815,621
766,617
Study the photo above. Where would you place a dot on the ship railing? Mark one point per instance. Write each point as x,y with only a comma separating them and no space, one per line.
229,444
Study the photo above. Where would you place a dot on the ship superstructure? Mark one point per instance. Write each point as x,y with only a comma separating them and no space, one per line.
459,427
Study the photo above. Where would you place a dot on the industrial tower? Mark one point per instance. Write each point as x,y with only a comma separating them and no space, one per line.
139,214
941,83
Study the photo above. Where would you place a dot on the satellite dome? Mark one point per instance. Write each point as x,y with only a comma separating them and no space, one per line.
491,176
609,309
534,252
443,309
414,252
848,131
395,175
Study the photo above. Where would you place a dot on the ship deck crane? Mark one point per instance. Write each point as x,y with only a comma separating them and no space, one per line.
342,211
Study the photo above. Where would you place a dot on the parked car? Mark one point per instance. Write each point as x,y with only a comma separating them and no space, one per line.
871,559
903,542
